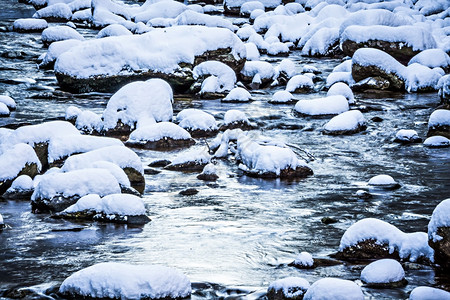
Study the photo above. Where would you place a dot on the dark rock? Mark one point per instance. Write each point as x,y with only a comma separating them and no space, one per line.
41,150
200,133
189,166
318,262
189,192
159,163
372,71
366,250
14,54
129,190
90,215
55,204
237,124
29,169
163,144
137,180
18,195
442,247
387,285
210,95
150,171
377,119
15,125
359,128
371,83
328,220
207,177
299,172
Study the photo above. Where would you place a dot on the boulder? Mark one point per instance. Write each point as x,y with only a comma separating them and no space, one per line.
288,288
384,273
439,123
439,234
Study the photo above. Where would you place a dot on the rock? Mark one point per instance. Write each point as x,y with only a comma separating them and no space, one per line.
162,144
439,234
191,161
377,119
150,171
236,119
437,141
159,163
328,220
136,178
444,90
371,83
349,122
384,273
383,181
376,78
21,189
189,192
288,288
367,249
439,123
304,261
406,136
362,194
208,173
29,25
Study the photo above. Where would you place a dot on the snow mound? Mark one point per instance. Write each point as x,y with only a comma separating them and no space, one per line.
304,259
22,183
432,58
4,110
439,117
190,17
195,119
57,11
41,133
124,281
418,77
347,121
282,97
225,75
8,101
262,69
252,51
299,83
409,245
407,135
120,204
383,271
60,33
334,288
113,30
158,131
290,287
29,25
437,141
139,100
321,42
160,9
341,88
374,57
115,171
428,293
56,49
382,180
332,105
335,77
14,159
238,95
233,115
439,218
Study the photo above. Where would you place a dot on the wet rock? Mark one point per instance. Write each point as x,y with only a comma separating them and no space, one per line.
150,171
439,123
244,125
328,220
371,83
367,249
121,131
137,179
208,173
376,78
288,173
30,168
188,166
287,288
159,163
163,144
189,192
377,119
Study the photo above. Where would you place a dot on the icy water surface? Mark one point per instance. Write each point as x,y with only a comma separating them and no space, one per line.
239,234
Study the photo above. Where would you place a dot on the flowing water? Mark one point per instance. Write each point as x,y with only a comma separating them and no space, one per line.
236,236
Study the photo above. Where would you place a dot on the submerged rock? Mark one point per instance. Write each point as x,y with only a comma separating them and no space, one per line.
189,192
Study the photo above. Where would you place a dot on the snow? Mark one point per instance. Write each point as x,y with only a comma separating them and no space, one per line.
76,183
193,119
234,115
238,94
252,51
57,48
250,6
88,122
432,58
1,221
291,287
310,69
82,15
125,281
56,11
4,110
65,145
428,293
245,32
299,82
115,171
160,9
278,48
439,218
22,183
340,77
34,134
119,155
439,117
114,204
282,97
349,120
374,57
444,86
345,66
261,68
30,24
321,42
382,180
383,271
225,75
304,259
60,33
406,135
113,30
418,77
287,66
341,88
76,5
190,17
334,288
72,112
239,3
409,245
332,105
209,169
140,99
158,131
161,49
437,141
200,156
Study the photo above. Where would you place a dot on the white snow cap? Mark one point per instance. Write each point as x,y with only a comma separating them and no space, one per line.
282,97
114,204
432,58
4,110
113,30
193,119
428,293
13,160
349,120
437,141
60,33
332,105
234,115
57,11
22,183
238,94
137,100
199,155
439,117
439,218
262,68
124,281
225,75
34,134
304,259
299,82
29,24
383,271
159,131
209,169
57,48
334,288
341,88
88,122
409,245
382,180
292,287
406,135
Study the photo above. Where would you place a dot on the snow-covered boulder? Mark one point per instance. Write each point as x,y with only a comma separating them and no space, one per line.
402,42
324,42
439,233
21,188
236,119
233,7
4,110
29,25
437,141
428,293
107,64
257,73
269,161
59,33
334,288
432,58
197,122
287,288
419,78
407,136
123,157
193,160
444,89
300,84
282,97
238,94
348,122
84,15
18,160
383,181
223,78
247,7
116,208
113,30
163,135
341,88
439,123
2,223
124,281
56,191
89,122
137,101
384,273
55,50
209,173
191,17
304,260
336,76
332,105
166,9
57,12
375,239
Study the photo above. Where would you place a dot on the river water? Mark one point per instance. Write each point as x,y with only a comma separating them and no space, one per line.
235,237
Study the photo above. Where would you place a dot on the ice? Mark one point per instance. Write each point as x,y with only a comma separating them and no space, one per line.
341,88
383,271
113,30
158,131
291,287
299,82
428,293
225,75
439,218
304,259
332,105
60,33
334,288
238,95
30,24
349,120
440,117
125,281
437,141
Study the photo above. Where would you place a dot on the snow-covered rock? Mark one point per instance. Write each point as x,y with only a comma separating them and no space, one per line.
374,239
59,33
166,9
304,260
287,288
57,191
192,160
439,233
334,288
444,88
384,273
8,101
428,293
407,136
4,110
197,122
89,122
55,12
252,51
84,15
209,173
419,78
282,97
163,135
151,99
234,6
113,30
341,88
247,7
190,17
21,188
226,78
299,84
2,223
437,141
384,181
124,281
56,49
236,119
238,94
432,58
324,42
332,105
260,73
439,123
175,51
348,122
335,77
29,25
